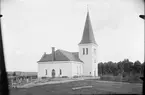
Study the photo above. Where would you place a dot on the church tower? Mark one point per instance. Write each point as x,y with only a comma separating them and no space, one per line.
88,50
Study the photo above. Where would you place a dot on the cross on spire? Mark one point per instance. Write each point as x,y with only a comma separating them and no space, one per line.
87,8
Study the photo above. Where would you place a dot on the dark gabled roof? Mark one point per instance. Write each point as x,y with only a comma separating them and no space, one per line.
76,55
88,36
61,55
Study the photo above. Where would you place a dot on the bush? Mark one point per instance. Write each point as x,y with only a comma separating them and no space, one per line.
34,77
134,79
115,74
111,78
124,74
126,79
107,77
44,77
64,76
118,78
75,76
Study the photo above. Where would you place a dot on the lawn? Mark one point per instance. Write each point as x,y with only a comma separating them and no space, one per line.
98,87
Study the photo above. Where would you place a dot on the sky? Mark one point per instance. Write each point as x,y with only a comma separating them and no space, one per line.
32,27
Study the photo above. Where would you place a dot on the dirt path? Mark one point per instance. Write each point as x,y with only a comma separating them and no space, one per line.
49,82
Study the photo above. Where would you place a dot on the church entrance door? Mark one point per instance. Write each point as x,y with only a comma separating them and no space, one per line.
53,73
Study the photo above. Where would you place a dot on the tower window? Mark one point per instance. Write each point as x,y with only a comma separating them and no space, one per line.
95,51
86,50
83,51
95,61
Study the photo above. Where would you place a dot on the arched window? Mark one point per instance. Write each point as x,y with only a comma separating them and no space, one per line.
60,72
83,51
53,73
94,51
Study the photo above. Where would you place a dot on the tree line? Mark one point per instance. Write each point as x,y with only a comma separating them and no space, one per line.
123,68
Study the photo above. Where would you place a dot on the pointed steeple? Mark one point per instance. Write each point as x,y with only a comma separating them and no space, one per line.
88,36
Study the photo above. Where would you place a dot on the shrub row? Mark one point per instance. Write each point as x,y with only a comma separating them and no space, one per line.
131,79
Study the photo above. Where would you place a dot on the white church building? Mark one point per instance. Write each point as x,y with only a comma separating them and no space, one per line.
64,63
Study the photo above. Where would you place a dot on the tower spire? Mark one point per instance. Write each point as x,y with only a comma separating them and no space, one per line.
88,36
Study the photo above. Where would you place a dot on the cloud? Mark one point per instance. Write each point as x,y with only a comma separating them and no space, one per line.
6,1
19,52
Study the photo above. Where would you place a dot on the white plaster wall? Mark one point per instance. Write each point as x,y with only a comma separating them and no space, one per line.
89,65
77,68
94,57
66,68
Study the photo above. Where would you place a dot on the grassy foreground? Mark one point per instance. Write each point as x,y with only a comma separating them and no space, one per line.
98,87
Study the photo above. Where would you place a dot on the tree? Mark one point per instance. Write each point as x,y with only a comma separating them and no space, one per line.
142,68
137,67
114,69
127,66
124,68
110,67
14,74
100,68
120,67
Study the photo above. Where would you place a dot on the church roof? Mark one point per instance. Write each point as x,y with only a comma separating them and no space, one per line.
88,36
61,55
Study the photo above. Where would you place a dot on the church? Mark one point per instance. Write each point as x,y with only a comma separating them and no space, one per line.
64,63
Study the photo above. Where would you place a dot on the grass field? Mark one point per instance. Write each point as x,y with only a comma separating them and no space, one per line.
98,87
